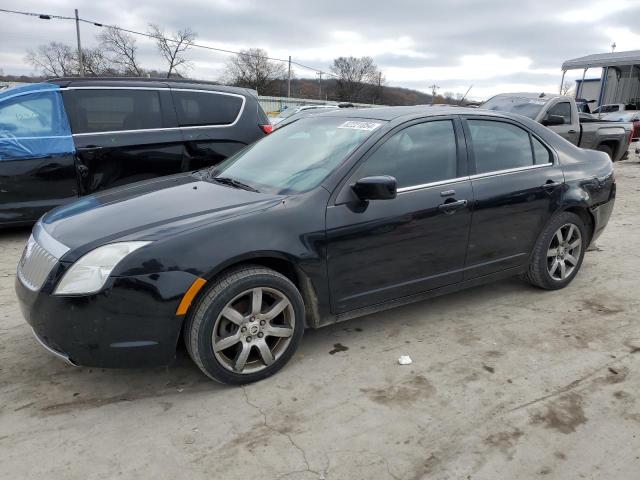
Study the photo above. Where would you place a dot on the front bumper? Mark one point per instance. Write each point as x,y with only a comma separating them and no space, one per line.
131,322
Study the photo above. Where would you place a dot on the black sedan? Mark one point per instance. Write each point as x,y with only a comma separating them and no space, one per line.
329,218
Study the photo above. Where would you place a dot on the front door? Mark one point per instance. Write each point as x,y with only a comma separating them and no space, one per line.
568,129
517,186
123,135
36,155
386,249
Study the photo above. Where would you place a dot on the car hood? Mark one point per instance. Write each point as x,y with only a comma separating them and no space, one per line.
149,210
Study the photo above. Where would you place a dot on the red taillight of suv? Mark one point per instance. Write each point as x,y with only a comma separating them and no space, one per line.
267,128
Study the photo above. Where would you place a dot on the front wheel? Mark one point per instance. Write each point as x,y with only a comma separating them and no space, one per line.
558,253
246,326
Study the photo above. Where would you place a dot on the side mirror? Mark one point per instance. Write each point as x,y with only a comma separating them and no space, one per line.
552,120
381,187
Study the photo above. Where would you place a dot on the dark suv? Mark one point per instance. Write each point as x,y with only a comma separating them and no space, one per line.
67,138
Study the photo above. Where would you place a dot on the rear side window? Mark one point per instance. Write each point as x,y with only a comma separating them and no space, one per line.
95,110
540,152
206,108
499,146
562,109
419,154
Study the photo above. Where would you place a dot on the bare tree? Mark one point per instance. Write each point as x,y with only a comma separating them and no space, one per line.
172,48
252,69
54,59
121,51
353,76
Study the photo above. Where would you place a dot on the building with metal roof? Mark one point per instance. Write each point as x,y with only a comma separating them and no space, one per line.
619,80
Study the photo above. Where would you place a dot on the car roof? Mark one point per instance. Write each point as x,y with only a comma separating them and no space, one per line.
67,82
393,113
543,97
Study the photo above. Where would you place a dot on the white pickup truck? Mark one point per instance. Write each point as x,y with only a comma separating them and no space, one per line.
560,114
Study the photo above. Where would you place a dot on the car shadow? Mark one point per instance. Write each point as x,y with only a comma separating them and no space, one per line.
58,388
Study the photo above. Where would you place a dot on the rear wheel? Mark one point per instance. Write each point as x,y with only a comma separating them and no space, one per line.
558,253
606,149
246,326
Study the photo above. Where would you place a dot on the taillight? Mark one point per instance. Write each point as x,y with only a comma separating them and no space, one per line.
267,128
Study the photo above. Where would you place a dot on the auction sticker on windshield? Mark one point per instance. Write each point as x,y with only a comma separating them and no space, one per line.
360,125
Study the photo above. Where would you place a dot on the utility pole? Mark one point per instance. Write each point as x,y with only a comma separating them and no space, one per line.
613,47
320,85
80,60
289,79
433,88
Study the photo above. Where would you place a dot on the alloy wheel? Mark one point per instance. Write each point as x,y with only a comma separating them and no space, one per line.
253,330
564,250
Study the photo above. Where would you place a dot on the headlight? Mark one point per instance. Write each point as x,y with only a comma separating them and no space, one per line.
90,272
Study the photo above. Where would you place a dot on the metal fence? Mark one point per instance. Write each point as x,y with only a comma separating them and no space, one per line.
273,105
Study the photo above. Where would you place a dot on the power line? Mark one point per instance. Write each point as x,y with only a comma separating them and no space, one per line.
45,16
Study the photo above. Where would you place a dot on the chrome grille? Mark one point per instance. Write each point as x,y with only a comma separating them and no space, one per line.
35,265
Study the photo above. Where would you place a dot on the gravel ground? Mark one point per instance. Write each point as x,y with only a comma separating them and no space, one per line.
507,382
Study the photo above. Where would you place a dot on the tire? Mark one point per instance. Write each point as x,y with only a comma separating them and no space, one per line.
241,323
606,149
542,271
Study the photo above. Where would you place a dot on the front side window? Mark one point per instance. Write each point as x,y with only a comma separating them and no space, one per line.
34,125
112,110
417,155
28,115
499,146
298,157
562,109
206,108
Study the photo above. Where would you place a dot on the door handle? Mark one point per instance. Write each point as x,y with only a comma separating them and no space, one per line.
452,207
550,184
90,148
572,131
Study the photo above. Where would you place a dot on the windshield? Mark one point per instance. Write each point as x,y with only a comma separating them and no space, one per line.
298,157
529,107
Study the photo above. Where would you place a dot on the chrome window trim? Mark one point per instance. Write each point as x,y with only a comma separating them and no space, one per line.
509,171
431,184
46,241
164,129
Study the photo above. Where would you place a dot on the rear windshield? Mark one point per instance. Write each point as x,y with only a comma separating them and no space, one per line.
529,107
298,157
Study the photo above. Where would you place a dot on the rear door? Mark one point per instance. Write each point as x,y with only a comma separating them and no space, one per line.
36,155
211,125
123,135
517,185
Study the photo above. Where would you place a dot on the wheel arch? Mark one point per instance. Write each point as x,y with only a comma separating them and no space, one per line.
614,145
283,264
584,212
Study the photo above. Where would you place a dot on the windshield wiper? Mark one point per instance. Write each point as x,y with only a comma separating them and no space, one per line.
234,183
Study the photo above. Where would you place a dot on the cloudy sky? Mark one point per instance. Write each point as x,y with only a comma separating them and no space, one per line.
494,45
